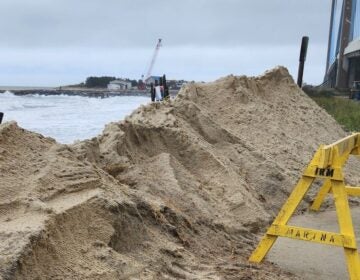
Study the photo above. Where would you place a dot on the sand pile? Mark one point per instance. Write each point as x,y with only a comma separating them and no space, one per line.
242,141
179,190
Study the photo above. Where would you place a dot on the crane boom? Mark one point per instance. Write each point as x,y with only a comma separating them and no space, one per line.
156,51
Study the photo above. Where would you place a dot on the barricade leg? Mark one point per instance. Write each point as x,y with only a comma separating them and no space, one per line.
324,190
346,227
283,217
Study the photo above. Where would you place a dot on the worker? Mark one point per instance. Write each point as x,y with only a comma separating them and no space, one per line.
158,96
162,88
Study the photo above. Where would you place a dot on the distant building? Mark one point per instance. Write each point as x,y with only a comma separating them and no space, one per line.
343,59
175,84
152,79
179,84
119,85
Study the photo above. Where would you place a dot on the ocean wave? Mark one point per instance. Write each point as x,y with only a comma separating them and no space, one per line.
7,93
66,118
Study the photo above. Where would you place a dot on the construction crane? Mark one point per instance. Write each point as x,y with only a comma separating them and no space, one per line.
152,63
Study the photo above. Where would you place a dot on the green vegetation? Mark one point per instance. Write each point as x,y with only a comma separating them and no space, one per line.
337,103
345,111
101,82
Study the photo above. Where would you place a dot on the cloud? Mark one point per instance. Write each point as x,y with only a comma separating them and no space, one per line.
67,66
137,23
52,42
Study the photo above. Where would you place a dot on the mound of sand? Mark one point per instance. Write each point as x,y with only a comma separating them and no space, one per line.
178,190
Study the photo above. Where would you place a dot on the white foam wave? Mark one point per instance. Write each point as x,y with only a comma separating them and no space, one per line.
66,118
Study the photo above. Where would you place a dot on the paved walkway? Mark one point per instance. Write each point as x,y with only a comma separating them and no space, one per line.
310,260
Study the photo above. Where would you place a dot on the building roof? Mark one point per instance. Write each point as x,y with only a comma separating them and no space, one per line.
354,46
153,77
119,82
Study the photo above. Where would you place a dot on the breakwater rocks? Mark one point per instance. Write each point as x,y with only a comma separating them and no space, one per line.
83,92
80,92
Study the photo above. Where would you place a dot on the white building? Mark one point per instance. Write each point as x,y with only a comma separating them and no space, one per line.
119,85
152,79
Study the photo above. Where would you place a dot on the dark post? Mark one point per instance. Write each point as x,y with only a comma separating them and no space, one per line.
164,80
1,117
152,91
162,87
303,51
166,89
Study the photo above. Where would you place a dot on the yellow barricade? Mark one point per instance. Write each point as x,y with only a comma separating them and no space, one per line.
327,164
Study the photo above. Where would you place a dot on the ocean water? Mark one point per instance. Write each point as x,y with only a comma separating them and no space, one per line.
67,118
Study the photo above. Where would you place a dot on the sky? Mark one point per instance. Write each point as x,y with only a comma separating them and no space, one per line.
61,42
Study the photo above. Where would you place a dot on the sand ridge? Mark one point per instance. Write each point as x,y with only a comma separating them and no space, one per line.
178,190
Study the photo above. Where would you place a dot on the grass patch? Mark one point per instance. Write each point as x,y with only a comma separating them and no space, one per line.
345,111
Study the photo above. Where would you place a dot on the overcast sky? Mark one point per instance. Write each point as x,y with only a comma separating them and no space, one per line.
58,42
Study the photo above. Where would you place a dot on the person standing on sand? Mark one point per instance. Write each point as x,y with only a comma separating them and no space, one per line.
162,87
158,95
